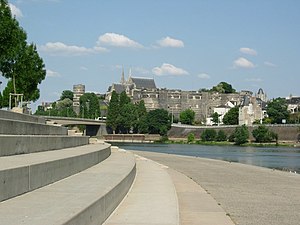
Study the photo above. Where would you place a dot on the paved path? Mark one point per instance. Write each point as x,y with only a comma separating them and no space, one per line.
151,200
250,195
196,206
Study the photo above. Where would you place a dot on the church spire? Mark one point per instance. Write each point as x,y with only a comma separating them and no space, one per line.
123,78
129,72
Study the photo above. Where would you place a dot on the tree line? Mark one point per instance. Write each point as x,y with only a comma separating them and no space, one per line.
239,136
123,116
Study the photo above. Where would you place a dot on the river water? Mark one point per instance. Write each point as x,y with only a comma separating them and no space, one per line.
281,158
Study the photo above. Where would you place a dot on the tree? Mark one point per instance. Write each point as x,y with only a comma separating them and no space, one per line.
124,99
241,135
29,73
65,108
263,134
215,118
89,106
208,135
223,87
19,62
277,110
67,94
231,117
127,117
140,124
187,116
159,122
113,112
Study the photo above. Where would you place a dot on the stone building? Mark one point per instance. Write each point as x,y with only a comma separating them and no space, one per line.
175,101
78,91
250,110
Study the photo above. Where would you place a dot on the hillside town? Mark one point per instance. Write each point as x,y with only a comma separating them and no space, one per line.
205,103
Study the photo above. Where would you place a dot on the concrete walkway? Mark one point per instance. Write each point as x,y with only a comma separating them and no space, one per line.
250,195
152,199
196,206
163,196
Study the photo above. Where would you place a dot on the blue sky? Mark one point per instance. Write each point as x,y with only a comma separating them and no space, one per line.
183,44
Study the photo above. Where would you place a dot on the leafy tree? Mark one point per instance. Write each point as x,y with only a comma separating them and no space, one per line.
221,136
140,124
127,117
89,106
19,61
158,121
67,94
208,135
263,134
277,110
215,118
241,135
124,99
223,87
191,138
231,117
187,116
65,108
113,112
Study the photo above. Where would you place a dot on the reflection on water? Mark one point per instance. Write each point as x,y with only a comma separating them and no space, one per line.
280,158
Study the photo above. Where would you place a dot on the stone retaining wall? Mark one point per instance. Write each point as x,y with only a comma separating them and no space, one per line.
285,132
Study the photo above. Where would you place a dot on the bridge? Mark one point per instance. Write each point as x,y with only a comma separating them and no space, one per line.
93,127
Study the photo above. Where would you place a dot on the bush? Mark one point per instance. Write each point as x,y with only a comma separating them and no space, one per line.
208,135
263,134
191,137
241,135
221,136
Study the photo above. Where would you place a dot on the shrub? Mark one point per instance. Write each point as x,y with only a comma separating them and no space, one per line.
208,135
263,134
241,135
191,137
221,136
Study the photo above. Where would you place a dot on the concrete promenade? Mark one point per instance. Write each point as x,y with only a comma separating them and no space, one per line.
163,196
250,195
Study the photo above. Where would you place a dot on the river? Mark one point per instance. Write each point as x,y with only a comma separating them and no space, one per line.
280,158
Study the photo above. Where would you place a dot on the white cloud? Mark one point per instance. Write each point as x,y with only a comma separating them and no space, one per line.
117,40
59,48
248,51
15,11
203,76
243,63
170,42
270,64
168,69
51,73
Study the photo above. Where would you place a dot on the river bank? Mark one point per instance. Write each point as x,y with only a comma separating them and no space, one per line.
250,195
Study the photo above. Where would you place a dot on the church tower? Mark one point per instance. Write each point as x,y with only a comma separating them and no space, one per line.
123,77
260,94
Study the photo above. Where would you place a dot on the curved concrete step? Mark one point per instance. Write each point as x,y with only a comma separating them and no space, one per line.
24,144
23,173
88,197
17,127
4,114
151,200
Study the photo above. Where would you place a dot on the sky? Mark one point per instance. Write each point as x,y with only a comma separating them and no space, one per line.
182,44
